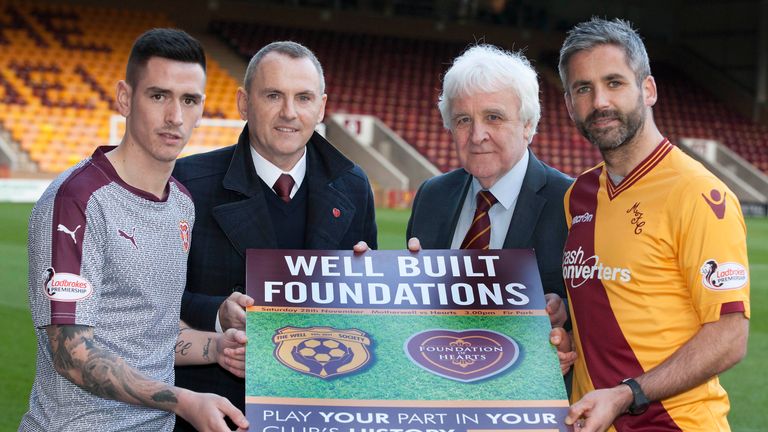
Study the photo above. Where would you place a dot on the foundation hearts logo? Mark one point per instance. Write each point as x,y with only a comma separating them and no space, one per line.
466,356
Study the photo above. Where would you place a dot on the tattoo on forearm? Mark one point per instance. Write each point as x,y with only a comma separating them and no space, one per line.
165,396
64,341
98,371
101,372
182,347
205,350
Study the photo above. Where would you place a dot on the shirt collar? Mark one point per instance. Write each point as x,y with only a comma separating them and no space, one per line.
269,172
507,188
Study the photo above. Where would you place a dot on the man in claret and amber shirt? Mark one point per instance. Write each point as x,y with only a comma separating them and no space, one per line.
655,263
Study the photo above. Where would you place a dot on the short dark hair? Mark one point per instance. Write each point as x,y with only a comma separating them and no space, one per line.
597,31
168,43
291,49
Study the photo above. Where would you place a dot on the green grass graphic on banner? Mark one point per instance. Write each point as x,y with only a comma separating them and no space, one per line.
391,374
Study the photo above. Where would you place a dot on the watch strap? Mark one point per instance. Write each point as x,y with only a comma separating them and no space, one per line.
640,401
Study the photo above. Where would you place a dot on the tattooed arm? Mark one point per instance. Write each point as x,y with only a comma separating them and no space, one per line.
198,347
81,360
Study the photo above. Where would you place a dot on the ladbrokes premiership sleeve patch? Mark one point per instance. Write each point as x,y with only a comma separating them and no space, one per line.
723,276
66,287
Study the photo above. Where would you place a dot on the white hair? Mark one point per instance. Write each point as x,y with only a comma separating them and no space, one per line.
486,68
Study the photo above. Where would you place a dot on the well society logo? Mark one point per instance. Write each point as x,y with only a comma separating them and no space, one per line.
66,287
466,356
577,269
725,276
324,352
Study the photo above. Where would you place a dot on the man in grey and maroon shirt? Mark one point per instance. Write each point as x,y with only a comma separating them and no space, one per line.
108,245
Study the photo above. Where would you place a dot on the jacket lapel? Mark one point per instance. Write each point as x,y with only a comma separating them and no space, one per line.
454,198
329,215
246,221
440,209
529,206
329,212
246,224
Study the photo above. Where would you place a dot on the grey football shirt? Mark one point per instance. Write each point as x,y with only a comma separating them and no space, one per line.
110,256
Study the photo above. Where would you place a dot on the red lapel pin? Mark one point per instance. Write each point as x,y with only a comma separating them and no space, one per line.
336,212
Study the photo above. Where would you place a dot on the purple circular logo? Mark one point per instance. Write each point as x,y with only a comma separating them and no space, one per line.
466,356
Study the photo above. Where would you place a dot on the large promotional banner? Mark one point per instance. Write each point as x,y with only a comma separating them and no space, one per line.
394,341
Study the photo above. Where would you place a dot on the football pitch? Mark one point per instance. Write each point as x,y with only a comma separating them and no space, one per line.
746,383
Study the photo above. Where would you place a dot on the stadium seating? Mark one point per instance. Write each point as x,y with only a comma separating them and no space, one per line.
398,80
59,65
687,110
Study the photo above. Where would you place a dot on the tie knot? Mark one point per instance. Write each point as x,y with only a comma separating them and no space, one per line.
485,200
283,187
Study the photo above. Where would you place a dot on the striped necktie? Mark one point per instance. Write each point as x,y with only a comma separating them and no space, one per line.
283,187
479,234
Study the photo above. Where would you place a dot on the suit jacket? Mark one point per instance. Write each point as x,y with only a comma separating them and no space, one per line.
231,216
538,221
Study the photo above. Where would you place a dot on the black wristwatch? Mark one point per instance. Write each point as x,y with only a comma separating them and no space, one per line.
639,401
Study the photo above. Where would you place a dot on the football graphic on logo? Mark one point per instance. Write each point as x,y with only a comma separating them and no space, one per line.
324,352
319,353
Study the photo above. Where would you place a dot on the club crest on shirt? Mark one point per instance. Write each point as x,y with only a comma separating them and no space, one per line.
185,233
636,218
65,287
324,352
725,276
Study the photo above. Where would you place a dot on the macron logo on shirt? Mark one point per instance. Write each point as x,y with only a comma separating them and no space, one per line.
716,202
586,217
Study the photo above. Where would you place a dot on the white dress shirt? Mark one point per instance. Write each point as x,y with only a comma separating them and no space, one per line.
506,190
269,172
